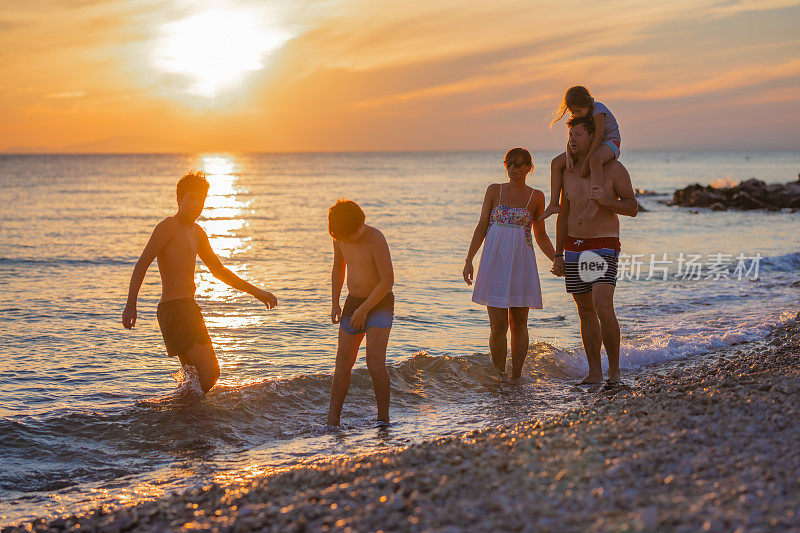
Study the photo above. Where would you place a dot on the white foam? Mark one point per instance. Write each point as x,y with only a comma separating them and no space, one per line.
188,382
681,341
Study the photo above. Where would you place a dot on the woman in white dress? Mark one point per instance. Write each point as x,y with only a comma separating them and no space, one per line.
508,280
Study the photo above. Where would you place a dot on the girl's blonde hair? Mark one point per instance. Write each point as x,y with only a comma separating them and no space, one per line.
575,97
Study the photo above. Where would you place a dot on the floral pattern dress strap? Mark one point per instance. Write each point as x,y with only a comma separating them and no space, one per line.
519,217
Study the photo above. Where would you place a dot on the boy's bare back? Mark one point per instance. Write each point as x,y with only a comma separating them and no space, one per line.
365,259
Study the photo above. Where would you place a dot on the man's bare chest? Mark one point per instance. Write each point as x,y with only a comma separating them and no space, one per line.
576,188
182,246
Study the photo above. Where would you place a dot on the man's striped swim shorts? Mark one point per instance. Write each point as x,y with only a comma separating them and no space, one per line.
590,261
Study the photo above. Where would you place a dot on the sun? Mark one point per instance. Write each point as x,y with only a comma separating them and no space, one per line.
215,49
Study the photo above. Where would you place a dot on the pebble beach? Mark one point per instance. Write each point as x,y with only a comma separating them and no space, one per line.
708,446
417,114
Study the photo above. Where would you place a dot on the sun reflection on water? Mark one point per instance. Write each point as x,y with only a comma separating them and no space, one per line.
224,221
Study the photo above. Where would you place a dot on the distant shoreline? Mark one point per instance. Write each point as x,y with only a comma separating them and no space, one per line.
710,445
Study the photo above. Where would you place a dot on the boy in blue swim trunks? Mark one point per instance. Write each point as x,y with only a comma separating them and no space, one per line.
362,252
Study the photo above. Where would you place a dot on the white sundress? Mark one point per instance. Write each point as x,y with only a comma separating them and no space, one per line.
507,273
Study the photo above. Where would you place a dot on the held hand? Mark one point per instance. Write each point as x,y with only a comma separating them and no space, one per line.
129,317
336,313
358,319
598,194
268,299
468,271
559,268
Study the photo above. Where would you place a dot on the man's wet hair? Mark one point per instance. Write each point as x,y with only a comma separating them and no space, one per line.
344,218
587,122
193,181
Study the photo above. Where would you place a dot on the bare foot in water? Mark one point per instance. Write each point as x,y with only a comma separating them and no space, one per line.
592,379
591,210
613,378
502,376
552,209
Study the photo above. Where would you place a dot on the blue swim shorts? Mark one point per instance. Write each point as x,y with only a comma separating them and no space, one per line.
380,316
615,147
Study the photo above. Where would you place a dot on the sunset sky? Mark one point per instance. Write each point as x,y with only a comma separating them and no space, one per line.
308,75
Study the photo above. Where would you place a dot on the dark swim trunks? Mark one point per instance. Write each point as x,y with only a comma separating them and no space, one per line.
380,316
182,325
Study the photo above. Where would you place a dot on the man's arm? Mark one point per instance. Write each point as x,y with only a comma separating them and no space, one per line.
539,232
337,281
625,202
158,239
559,269
225,275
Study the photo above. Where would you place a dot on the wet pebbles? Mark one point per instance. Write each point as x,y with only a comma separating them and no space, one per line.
710,447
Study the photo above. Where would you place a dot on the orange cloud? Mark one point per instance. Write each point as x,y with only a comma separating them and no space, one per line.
360,74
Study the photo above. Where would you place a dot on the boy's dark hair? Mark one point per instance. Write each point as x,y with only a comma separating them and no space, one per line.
344,218
195,180
587,121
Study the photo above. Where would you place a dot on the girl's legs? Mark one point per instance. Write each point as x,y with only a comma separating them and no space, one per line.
557,166
498,322
518,319
601,155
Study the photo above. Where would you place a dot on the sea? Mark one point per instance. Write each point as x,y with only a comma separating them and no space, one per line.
93,415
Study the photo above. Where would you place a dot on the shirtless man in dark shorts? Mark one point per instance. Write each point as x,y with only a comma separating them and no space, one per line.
587,251
175,243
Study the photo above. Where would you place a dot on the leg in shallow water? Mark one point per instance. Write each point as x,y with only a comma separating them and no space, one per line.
204,360
518,320
603,296
346,354
590,335
377,340
498,323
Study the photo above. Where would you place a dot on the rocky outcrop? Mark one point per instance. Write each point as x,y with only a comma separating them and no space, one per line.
750,194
